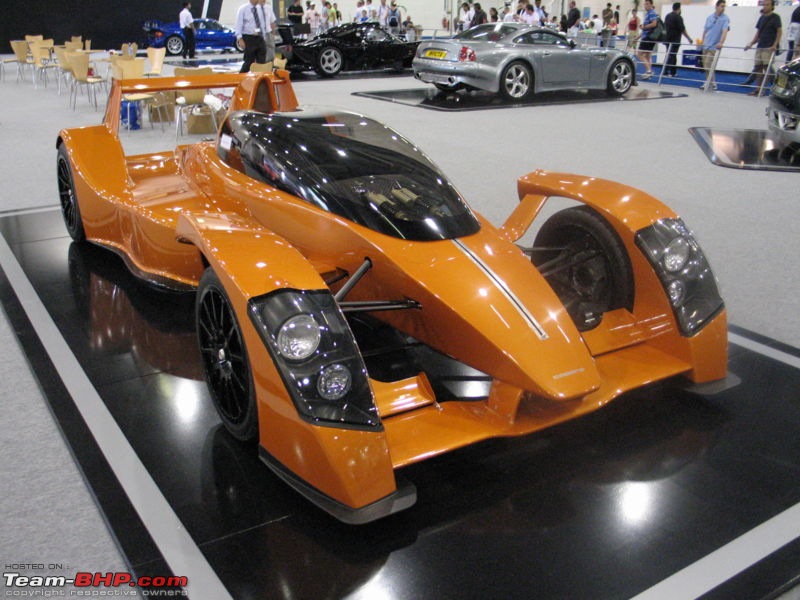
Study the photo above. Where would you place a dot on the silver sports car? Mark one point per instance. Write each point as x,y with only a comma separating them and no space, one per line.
518,60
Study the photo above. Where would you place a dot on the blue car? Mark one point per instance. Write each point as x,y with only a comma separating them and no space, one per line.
210,34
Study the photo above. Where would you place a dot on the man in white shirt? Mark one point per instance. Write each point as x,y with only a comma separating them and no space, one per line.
530,16
186,22
254,26
383,13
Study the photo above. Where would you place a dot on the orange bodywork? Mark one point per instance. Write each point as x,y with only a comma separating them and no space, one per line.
172,214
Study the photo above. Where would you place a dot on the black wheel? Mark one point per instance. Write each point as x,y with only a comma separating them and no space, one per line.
329,61
225,361
174,45
69,200
516,81
585,263
620,78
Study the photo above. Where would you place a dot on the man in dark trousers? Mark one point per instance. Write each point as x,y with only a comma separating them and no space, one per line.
674,29
186,22
253,24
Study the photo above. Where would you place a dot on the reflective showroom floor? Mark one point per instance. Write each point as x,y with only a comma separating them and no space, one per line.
606,506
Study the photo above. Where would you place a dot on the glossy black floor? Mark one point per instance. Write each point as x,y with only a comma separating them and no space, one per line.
746,149
602,507
478,100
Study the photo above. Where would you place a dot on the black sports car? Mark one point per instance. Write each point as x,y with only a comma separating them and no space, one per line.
783,113
352,46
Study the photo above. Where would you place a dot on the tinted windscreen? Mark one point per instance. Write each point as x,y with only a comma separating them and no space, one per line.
351,166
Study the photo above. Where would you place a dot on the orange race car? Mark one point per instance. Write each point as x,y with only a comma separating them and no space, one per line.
355,316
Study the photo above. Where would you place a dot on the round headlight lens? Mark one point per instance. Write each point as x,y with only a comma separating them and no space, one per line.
334,382
299,337
676,290
676,254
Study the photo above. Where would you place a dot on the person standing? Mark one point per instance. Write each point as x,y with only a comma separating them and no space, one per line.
479,15
573,16
674,28
766,40
295,13
715,30
646,46
606,28
632,32
252,27
269,22
530,16
383,14
537,6
186,22
793,36
395,19
465,16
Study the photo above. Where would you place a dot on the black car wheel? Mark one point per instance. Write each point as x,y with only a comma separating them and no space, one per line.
620,78
68,198
585,263
174,45
225,361
329,61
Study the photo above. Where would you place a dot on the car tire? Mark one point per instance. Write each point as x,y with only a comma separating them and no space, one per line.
585,262
443,87
620,78
225,361
516,81
174,45
70,209
330,61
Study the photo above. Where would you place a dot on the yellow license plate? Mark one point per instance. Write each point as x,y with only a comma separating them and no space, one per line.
781,80
435,53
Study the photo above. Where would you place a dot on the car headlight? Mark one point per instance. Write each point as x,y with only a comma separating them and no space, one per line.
676,254
684,272
298,337
316,354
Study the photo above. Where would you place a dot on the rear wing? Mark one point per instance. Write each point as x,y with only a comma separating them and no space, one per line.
264,92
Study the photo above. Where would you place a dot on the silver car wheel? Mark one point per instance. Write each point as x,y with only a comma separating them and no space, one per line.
620,78
330,61
174,45
516,82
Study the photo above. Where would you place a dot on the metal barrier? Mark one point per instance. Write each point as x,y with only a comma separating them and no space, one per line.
733,59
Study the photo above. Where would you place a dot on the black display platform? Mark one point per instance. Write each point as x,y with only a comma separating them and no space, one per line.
753,149
606,506
433,99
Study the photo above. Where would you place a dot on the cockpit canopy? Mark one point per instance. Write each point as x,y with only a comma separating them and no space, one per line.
351,166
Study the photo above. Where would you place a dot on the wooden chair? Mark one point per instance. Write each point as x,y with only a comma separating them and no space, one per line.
262,67
129,49
79,61
34,38
192,101
42,57
73,46
64,70
87,45
20,48
77,39
156,58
